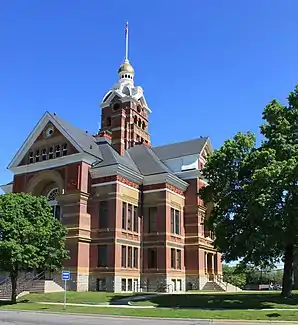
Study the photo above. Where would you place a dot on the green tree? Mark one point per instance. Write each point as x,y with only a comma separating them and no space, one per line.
233,276
30,237
255,192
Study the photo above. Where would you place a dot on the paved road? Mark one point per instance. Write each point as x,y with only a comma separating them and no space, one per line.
31,318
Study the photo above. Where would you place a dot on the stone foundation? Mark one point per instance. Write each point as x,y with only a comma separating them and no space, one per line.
196,282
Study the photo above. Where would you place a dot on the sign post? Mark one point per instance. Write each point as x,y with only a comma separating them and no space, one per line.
65,278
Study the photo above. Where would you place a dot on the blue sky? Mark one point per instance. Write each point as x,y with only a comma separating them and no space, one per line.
207,67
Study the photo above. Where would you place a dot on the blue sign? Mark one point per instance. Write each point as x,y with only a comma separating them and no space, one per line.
65,275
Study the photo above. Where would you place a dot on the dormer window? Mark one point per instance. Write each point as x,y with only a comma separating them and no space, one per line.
31,158
51,153
58,151
64,149
37,156
44,154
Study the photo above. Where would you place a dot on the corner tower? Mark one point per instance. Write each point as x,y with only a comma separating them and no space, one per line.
125,113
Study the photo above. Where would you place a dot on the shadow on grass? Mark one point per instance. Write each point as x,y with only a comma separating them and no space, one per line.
273,315
222,301
124,300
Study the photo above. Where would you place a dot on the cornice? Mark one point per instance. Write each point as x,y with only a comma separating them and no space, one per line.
117,170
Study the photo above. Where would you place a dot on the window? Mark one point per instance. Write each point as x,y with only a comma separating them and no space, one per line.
129,217
37,156
58,151
123,256
52,200
135,219
129,257
116,106
123,284
101,284
31,158
124,208
44,154
103,214
129,285
178,265
135,258
64,149
175,222
152,258
51,153
102,255
173,258
152,219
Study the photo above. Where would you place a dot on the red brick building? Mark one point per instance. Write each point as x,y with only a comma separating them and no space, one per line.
133,212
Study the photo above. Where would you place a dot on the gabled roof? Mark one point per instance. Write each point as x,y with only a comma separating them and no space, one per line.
82,141
86,141
147,161
180,149
111,157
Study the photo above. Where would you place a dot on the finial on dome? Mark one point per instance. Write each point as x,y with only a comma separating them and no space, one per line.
126,71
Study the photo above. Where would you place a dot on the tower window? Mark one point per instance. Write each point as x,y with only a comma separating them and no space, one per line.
139,109
109,121
139,123
51,153
135,119
44,154
31,158
58,151
143,125
116,106
64,149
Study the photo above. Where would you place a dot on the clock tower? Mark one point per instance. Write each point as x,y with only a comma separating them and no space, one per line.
125,113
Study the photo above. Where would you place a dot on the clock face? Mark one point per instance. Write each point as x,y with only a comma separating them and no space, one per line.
49,131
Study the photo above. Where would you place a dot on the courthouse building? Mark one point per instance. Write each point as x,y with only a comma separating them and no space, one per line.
133,212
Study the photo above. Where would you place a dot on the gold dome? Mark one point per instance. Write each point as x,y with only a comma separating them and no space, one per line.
126,67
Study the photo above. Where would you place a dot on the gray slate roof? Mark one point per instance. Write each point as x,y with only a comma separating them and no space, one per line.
180,149
111,157
83,139
147,161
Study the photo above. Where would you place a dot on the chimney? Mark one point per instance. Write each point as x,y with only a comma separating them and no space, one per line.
103,136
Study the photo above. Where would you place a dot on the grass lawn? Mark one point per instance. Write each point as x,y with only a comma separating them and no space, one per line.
75,297
163,313
192,305
242,300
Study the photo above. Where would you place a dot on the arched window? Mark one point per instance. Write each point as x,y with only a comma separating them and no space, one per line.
51,153
135,119
64,149
44,154
37,156
31,158
139,122
52,199
58,151
116,106
143,125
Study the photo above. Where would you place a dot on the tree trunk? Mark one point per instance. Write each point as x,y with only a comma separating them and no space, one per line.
13,279
287,281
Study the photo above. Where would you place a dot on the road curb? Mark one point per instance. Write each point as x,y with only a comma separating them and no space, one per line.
206,320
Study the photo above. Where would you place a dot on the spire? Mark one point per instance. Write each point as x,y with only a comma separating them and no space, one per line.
126,71
126,43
